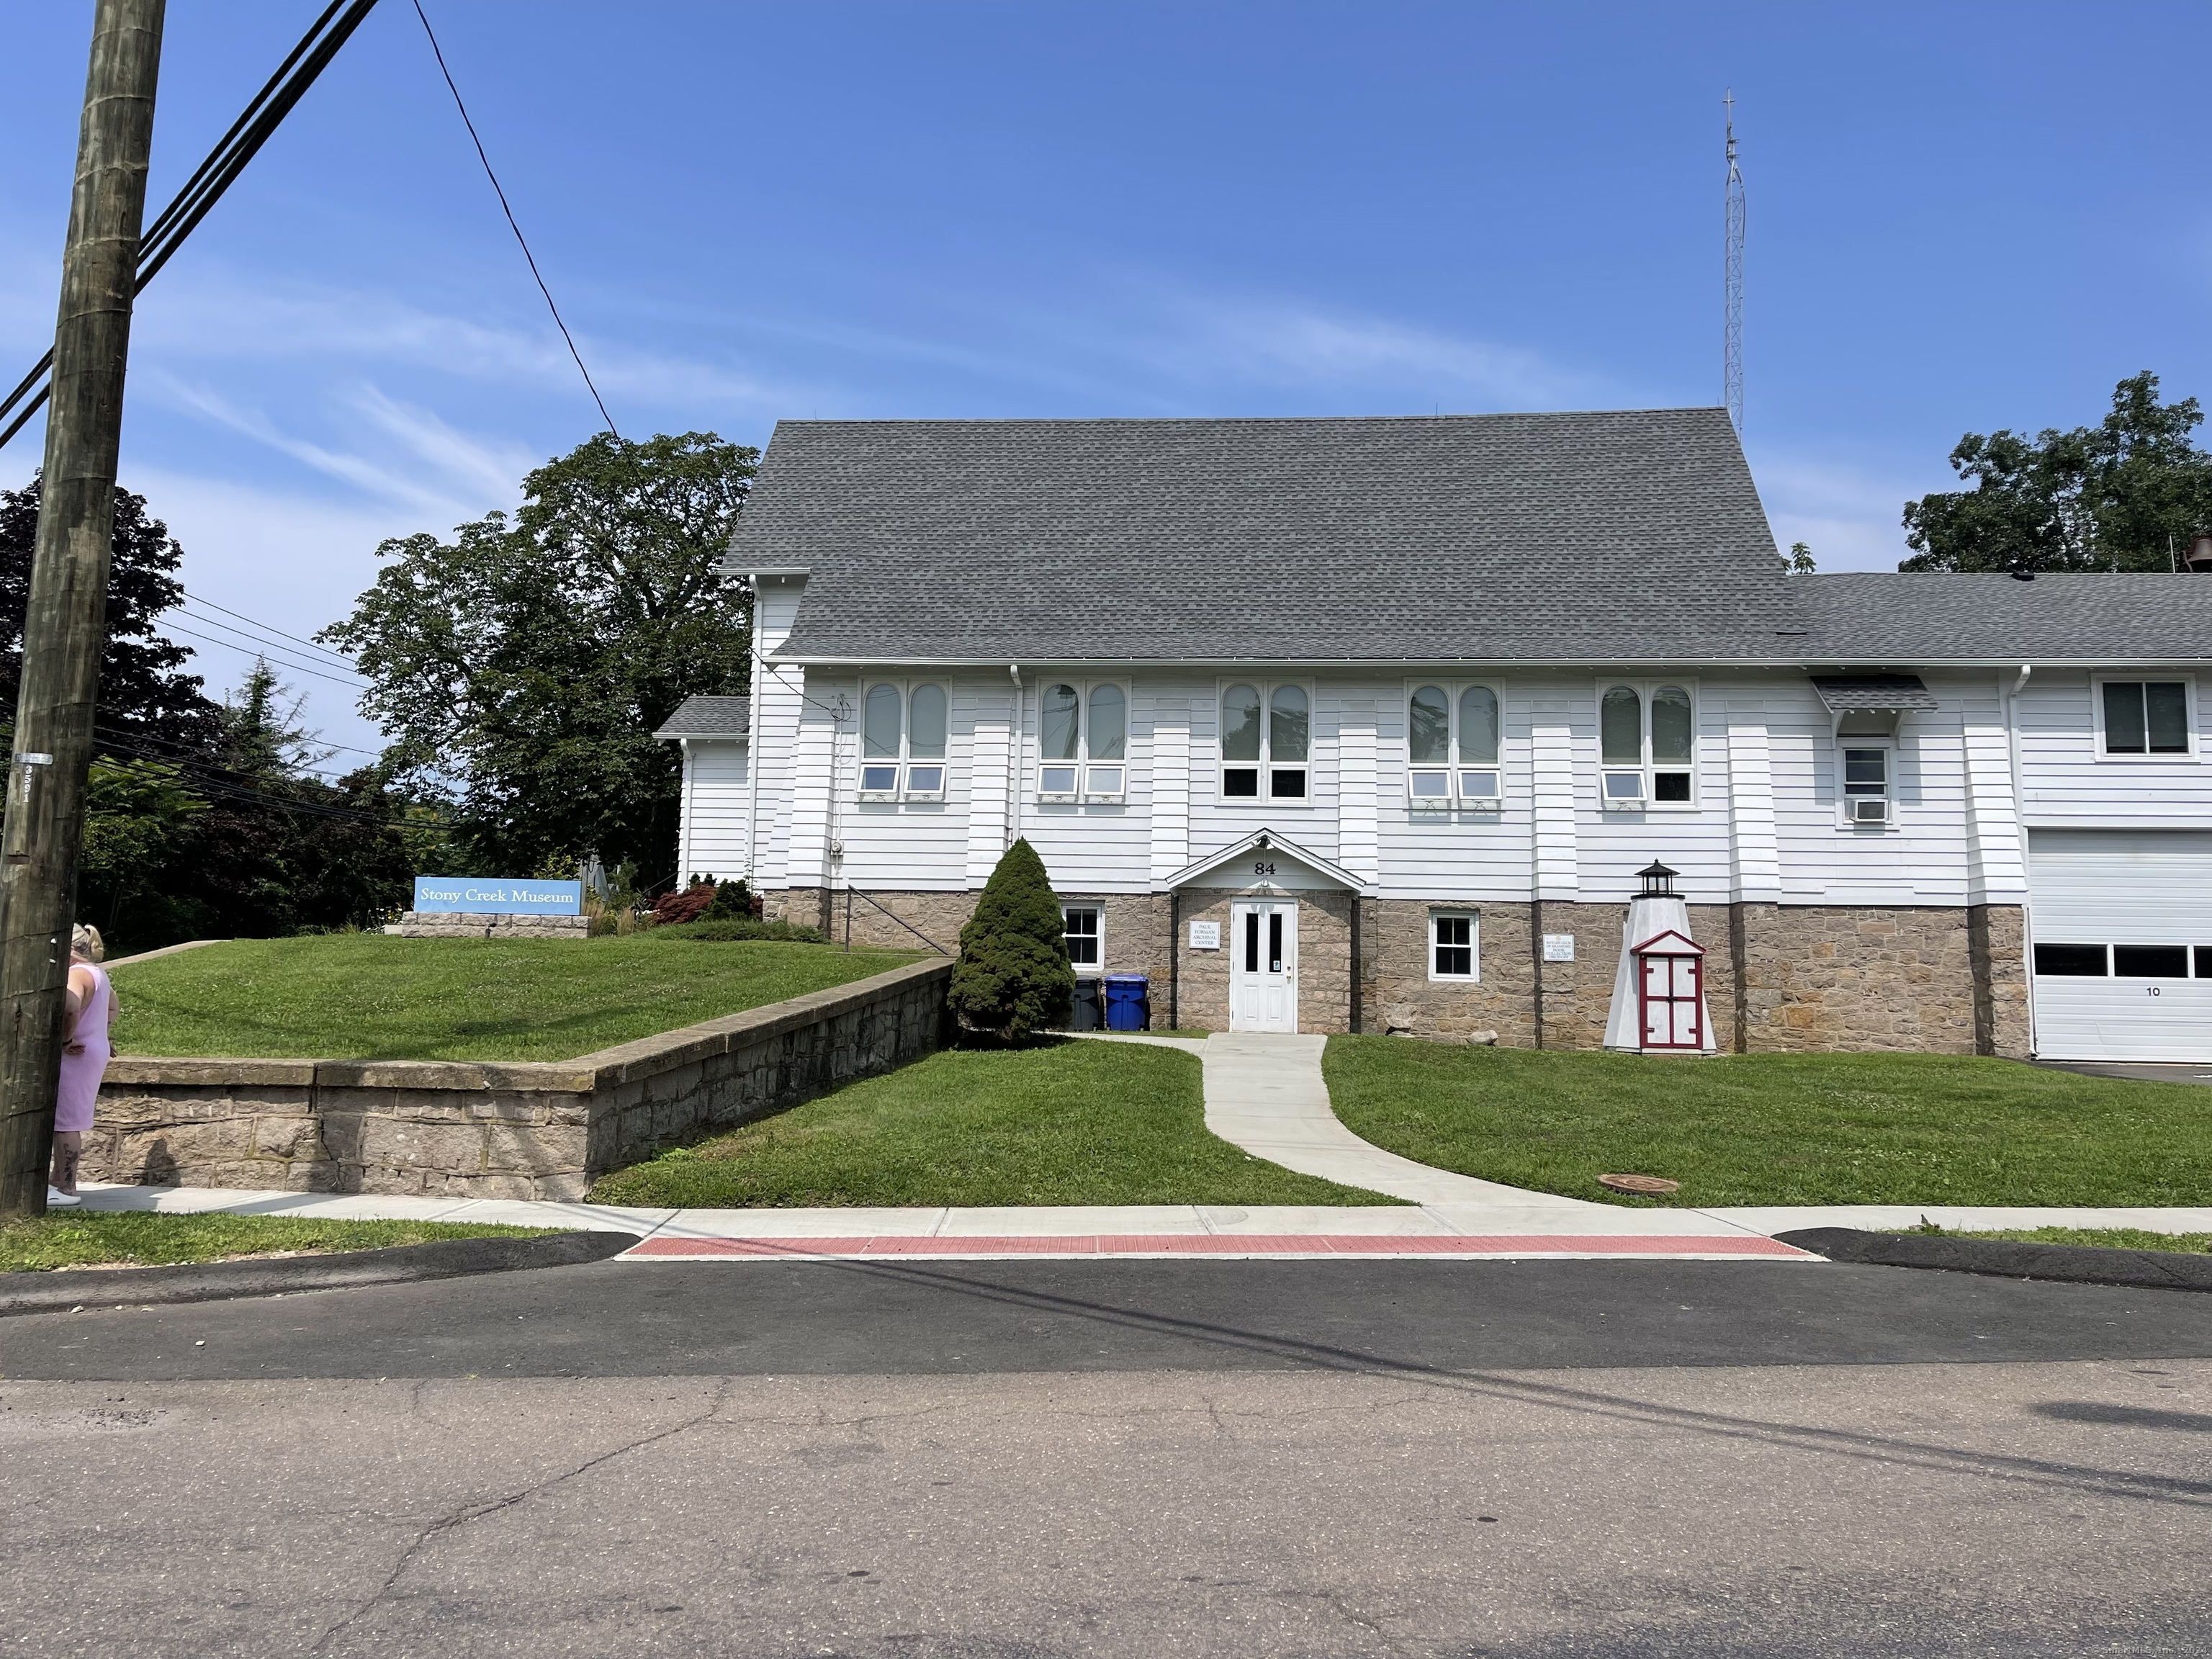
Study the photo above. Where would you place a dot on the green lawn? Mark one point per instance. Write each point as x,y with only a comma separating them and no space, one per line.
79,1238
1068,1122
2109,1238
374,996
1779,1128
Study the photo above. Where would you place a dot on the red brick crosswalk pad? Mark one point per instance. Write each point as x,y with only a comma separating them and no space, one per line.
1221,1244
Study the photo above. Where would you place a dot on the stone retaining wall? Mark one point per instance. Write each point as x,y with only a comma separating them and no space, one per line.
469,924
494,1130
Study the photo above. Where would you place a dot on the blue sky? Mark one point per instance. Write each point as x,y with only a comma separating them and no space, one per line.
1962,217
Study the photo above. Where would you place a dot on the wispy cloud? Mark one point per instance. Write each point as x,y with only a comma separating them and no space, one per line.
1849,516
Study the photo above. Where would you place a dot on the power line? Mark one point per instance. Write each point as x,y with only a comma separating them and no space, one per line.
200,599
261,118
354,685
511,224
343,663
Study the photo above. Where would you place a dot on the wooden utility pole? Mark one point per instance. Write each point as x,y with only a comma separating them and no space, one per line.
65,628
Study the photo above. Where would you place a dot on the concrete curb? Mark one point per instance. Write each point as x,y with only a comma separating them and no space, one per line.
217,1281
2074,1264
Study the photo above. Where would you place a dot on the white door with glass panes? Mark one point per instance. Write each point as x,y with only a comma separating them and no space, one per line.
1263,966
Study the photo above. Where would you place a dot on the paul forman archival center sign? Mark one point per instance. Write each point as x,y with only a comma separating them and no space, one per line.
497,896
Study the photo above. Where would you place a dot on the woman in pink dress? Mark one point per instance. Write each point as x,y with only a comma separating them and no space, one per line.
85,1049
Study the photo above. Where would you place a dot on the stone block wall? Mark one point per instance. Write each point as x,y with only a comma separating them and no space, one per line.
459,924
1324,962
1909,980
460,1129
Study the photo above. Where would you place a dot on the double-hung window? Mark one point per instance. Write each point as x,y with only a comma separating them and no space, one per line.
2143,718
1085,929
1647,746
1266,740
1082,742
1454,938
903,736
1451,746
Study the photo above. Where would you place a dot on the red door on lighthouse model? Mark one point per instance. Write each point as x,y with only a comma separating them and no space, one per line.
1671,992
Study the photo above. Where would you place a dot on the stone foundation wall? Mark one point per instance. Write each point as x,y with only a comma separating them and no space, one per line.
438,924
1822,979
933,919
1397,994
498,1131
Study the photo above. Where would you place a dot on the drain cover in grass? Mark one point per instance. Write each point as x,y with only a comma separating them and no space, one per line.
1636,1183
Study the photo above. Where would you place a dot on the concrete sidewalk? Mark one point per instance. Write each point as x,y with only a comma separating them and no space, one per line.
1264,1093
1176,1230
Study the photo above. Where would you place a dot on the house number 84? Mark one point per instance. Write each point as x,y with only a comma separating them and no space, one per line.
1263,867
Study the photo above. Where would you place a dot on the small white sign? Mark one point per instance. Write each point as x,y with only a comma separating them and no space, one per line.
1205,936
1558,947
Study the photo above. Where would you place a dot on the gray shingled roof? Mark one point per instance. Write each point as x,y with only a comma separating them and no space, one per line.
1926,619
710,717
1851,694
1622,535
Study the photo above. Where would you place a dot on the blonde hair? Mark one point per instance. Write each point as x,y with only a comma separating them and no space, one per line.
85,941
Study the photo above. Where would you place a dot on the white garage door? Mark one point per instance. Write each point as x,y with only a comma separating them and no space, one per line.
2121,922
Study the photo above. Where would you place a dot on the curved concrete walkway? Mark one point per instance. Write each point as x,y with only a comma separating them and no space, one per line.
1264,1093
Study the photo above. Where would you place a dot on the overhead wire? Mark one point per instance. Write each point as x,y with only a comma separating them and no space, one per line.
266,628
159,242
277,650
520,239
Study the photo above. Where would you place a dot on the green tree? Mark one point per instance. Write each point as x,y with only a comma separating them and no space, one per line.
142,697
2114,496
523,666
1012,978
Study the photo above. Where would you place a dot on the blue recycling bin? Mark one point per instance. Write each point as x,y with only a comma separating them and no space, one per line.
1128,1002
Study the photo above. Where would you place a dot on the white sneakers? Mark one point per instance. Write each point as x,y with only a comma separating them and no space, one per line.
58,1199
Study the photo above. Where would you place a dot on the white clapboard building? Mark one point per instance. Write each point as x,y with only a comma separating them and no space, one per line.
1378,724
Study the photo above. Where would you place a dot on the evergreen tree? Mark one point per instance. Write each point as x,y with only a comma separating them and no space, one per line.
1013,979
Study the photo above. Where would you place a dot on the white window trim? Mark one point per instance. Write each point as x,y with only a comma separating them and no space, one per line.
1266,796
1097,909
1454,797
1647,767
1844,798
1473,919
1087,769
2097,683
905,761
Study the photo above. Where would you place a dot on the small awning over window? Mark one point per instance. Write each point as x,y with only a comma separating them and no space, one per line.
1871,694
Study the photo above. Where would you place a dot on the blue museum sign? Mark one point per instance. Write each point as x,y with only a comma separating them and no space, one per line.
498,896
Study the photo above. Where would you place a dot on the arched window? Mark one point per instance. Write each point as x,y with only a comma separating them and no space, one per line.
1265,737
879,723
899,726
1647,745
925,723
1057,722
1109,723
1621,727
1240,724
1478,726
1428,727
1670,725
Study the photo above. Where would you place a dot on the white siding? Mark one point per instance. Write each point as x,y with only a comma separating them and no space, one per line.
711,837
1766,823
2064,781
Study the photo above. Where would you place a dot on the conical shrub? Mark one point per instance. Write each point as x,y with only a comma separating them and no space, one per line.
1012,978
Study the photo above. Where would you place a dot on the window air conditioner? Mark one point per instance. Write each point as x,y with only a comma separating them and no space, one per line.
1868,809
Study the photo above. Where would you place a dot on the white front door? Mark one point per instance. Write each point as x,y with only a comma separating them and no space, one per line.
1263,966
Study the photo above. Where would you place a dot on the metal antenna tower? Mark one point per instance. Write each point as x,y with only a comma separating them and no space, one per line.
1732,372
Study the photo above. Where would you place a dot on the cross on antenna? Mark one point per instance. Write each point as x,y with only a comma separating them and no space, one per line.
1732,280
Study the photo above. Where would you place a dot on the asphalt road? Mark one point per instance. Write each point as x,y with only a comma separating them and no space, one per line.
1027,1461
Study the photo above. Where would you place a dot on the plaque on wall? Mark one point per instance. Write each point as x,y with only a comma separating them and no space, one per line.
1205,936
1558,947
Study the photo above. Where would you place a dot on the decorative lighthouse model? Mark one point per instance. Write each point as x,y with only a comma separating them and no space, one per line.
1659,993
